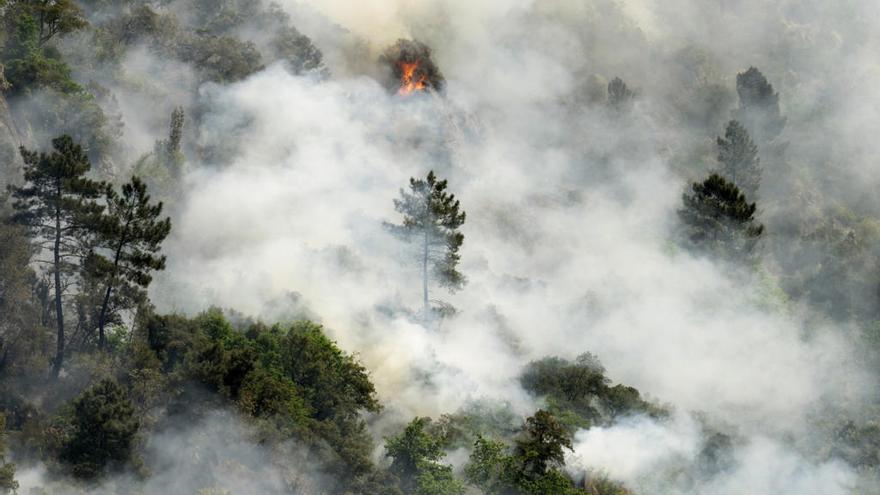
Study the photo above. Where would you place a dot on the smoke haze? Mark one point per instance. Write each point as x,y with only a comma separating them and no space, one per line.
571,217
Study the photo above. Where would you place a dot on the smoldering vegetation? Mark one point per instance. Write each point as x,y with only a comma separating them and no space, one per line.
454,247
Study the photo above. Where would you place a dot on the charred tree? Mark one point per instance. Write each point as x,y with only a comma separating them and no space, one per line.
411,68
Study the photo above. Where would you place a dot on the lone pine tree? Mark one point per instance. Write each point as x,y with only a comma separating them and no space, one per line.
739,160
56,204
619,95
132,233
719,220
431,219
758,106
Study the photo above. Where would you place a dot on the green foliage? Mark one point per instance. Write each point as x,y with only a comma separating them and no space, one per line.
534,466
738,156
56,205
298,51
858,445
7,469
131,233
416,454
758,106
28,26
24,340
163,167
221,59
579,394
541,445
719,220
488,468
104,430
473,421
294,379
334,383
431,219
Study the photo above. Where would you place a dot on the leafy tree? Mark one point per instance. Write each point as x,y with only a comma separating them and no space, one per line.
54,17
758,106
416,454
489,467
579,394
619,95
298,51
541,446
431,219
132,231
738,156
534,466
7,469
221,59
27,26
718,219
56,204
295,378
104,428
334,384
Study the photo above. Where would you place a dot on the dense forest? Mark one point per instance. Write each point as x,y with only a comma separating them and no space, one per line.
604,247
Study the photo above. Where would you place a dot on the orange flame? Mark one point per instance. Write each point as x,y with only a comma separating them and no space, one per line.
409,82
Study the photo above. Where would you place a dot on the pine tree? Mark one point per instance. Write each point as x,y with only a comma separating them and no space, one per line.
619,95
758,106
132,233
57,205
105,425
738,156
541,446
431,219
718,219
168,151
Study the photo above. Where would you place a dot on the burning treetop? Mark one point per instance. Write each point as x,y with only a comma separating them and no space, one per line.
412,69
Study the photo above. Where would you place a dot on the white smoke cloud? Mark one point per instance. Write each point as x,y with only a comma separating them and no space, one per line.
216,454
570,208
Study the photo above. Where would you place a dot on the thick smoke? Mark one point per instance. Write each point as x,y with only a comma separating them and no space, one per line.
571,212
216,454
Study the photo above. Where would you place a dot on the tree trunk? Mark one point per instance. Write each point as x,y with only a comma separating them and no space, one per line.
106,302
59,311
103,316
425,277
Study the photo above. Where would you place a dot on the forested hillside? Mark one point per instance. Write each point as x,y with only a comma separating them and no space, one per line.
597,247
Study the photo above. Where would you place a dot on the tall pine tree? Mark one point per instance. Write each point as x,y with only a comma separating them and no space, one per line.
132,233
758,106
57,205
719,220
431,220
739,160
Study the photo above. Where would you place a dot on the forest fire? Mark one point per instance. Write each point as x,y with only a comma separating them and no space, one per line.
409,80
411,68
